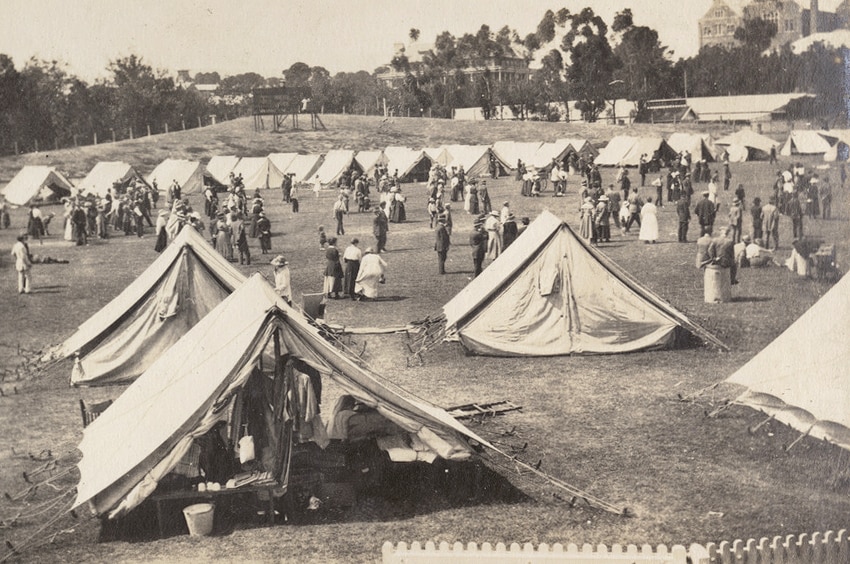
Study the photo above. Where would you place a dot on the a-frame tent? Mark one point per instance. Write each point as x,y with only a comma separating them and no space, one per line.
281,161
839,140
106,175
251,345
258,173
475,159
800,379
803,142
42,184
700,146
368,160
411,164
747,145
334,165
548,152
649,146
304,166
582,147
217,172
438,155
119,342
614,153
188,174
510,152
550,293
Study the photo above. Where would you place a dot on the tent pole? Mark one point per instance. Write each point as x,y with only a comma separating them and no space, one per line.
798,439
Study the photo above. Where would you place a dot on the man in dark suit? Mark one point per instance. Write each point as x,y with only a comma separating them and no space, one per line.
442,244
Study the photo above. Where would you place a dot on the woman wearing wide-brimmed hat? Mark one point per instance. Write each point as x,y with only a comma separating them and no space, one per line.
282,278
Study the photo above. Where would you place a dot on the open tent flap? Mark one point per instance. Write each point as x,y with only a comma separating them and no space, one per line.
36,183
144,435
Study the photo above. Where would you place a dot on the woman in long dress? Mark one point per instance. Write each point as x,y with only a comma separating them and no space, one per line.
371,273
161,233
333,271
587,213
223,241
648,222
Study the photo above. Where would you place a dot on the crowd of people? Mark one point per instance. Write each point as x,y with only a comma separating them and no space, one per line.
234,218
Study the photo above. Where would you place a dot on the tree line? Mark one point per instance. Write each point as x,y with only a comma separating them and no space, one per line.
582,61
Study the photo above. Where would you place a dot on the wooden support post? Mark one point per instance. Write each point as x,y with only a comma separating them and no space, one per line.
95,137
16,147
199,122
149,130
75,140
131,132
183,121
166,127
113,135
36,145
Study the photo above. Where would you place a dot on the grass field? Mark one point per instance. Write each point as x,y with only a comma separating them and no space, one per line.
612,425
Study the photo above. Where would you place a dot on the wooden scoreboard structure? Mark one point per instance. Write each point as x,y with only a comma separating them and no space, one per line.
282,103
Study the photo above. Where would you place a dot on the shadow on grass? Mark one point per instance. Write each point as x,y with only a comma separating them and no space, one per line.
394,491
744,299
388,299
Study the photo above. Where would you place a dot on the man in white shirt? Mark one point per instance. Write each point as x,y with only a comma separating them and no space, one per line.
23,263
282,278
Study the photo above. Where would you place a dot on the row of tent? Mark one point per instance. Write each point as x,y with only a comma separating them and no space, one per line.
743,145
45,184
191,330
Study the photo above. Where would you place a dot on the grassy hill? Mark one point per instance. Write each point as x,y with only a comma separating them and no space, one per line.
238,137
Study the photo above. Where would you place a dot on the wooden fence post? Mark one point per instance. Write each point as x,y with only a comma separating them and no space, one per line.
113,134
166,127
36,145
131,132
149,130
183,121
75,140
95,137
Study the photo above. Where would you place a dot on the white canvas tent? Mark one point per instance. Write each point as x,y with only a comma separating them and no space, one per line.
475,159
258,173
368,160
101,179
800,379
188,174
438,155
700,146
335,163
281,161
410,163
509,152
839,140
37,184
550,294
118,343
219,168
803,142
581,146
747,145
547,152
141,437
615,151
303,167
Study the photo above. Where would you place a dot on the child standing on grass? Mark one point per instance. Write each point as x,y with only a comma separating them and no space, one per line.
323,239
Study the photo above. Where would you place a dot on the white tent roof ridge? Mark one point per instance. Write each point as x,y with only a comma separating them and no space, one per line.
189,174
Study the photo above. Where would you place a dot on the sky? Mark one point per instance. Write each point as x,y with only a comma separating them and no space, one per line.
268,36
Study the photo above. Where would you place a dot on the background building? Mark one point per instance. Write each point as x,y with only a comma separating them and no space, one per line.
793,21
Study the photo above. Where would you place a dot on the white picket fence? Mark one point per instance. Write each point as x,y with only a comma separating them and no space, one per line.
818,548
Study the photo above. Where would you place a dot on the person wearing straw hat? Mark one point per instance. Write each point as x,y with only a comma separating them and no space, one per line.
282,278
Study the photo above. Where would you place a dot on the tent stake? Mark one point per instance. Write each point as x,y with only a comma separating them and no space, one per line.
798,439
752,430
